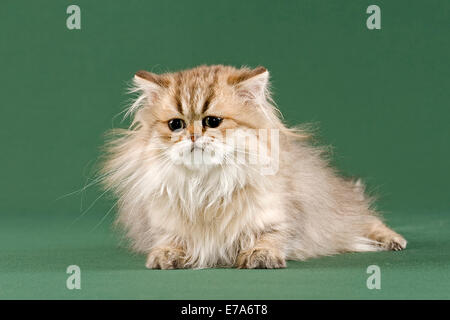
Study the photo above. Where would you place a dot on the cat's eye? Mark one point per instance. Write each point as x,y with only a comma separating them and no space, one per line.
212,122
176,124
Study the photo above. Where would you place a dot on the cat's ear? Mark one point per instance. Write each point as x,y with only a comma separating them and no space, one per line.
149,86
251,84
149,81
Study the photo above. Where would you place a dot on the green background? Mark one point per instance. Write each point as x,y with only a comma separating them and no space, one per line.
380,97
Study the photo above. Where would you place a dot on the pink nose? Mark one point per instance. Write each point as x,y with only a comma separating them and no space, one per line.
194,137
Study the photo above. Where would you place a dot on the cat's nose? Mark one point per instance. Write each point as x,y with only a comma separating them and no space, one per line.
194,137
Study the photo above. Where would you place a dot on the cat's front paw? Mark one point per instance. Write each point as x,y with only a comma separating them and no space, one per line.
261,258
165,258
396,243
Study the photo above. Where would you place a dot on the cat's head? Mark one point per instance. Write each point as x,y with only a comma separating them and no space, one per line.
206,117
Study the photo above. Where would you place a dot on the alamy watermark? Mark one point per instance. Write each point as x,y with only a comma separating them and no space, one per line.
255,148
374,280
74,19
374,20
74,280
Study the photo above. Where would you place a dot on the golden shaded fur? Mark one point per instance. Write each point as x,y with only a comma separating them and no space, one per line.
184,215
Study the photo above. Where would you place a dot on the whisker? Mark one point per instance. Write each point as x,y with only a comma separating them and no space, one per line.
104,217
92,204
82,189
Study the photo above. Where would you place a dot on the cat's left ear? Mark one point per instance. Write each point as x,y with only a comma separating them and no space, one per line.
251,84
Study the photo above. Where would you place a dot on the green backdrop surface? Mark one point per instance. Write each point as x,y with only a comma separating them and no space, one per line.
381,98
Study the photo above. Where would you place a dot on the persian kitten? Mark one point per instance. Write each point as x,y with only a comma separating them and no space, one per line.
208,175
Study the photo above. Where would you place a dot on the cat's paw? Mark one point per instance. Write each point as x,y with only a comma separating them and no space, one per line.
261,258
387,238
165,258
396,243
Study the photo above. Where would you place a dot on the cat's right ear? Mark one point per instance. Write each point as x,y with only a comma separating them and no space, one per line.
149,81
149,86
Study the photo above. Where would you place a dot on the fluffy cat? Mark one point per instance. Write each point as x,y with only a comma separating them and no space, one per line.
229,211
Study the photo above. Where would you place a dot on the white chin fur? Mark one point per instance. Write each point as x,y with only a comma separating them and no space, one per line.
201,155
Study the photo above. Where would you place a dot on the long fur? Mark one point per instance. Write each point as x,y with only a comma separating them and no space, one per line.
213,213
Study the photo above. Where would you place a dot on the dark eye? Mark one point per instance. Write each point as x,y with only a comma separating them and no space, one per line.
212,122
176,124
